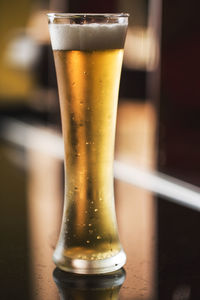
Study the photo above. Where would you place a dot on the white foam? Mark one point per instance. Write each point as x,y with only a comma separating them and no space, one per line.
87,36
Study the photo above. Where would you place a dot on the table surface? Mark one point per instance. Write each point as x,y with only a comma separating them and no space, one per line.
159,235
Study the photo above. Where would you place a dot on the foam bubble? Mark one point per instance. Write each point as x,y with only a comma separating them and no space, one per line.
87,36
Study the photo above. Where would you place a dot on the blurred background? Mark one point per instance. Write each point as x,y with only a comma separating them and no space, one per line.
158,130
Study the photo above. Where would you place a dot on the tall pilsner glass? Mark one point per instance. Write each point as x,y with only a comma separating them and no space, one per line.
88,53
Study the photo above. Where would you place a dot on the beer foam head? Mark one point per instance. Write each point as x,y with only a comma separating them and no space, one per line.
87,36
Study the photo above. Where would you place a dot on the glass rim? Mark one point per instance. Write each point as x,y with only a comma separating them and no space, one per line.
87,15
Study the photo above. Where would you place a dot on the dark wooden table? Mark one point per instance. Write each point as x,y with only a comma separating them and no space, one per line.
159,236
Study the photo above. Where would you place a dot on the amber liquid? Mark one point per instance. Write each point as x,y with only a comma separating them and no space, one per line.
88,83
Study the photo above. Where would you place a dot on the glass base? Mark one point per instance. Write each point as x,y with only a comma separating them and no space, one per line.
82,266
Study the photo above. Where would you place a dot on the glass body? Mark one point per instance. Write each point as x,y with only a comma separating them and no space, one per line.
88,53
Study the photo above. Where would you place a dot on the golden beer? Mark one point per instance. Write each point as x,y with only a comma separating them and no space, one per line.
88,84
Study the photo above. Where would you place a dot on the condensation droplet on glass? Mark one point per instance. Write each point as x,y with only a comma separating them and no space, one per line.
99,237
87,242
96,210
89,224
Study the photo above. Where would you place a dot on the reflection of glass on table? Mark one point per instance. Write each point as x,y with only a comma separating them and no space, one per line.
98,287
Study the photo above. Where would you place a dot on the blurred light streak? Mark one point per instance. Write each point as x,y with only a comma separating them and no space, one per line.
50,142
37,27
22,51
136,48
136,218
44,215
33,137
141,49
169,187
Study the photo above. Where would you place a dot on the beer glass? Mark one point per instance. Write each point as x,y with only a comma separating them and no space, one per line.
88,53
